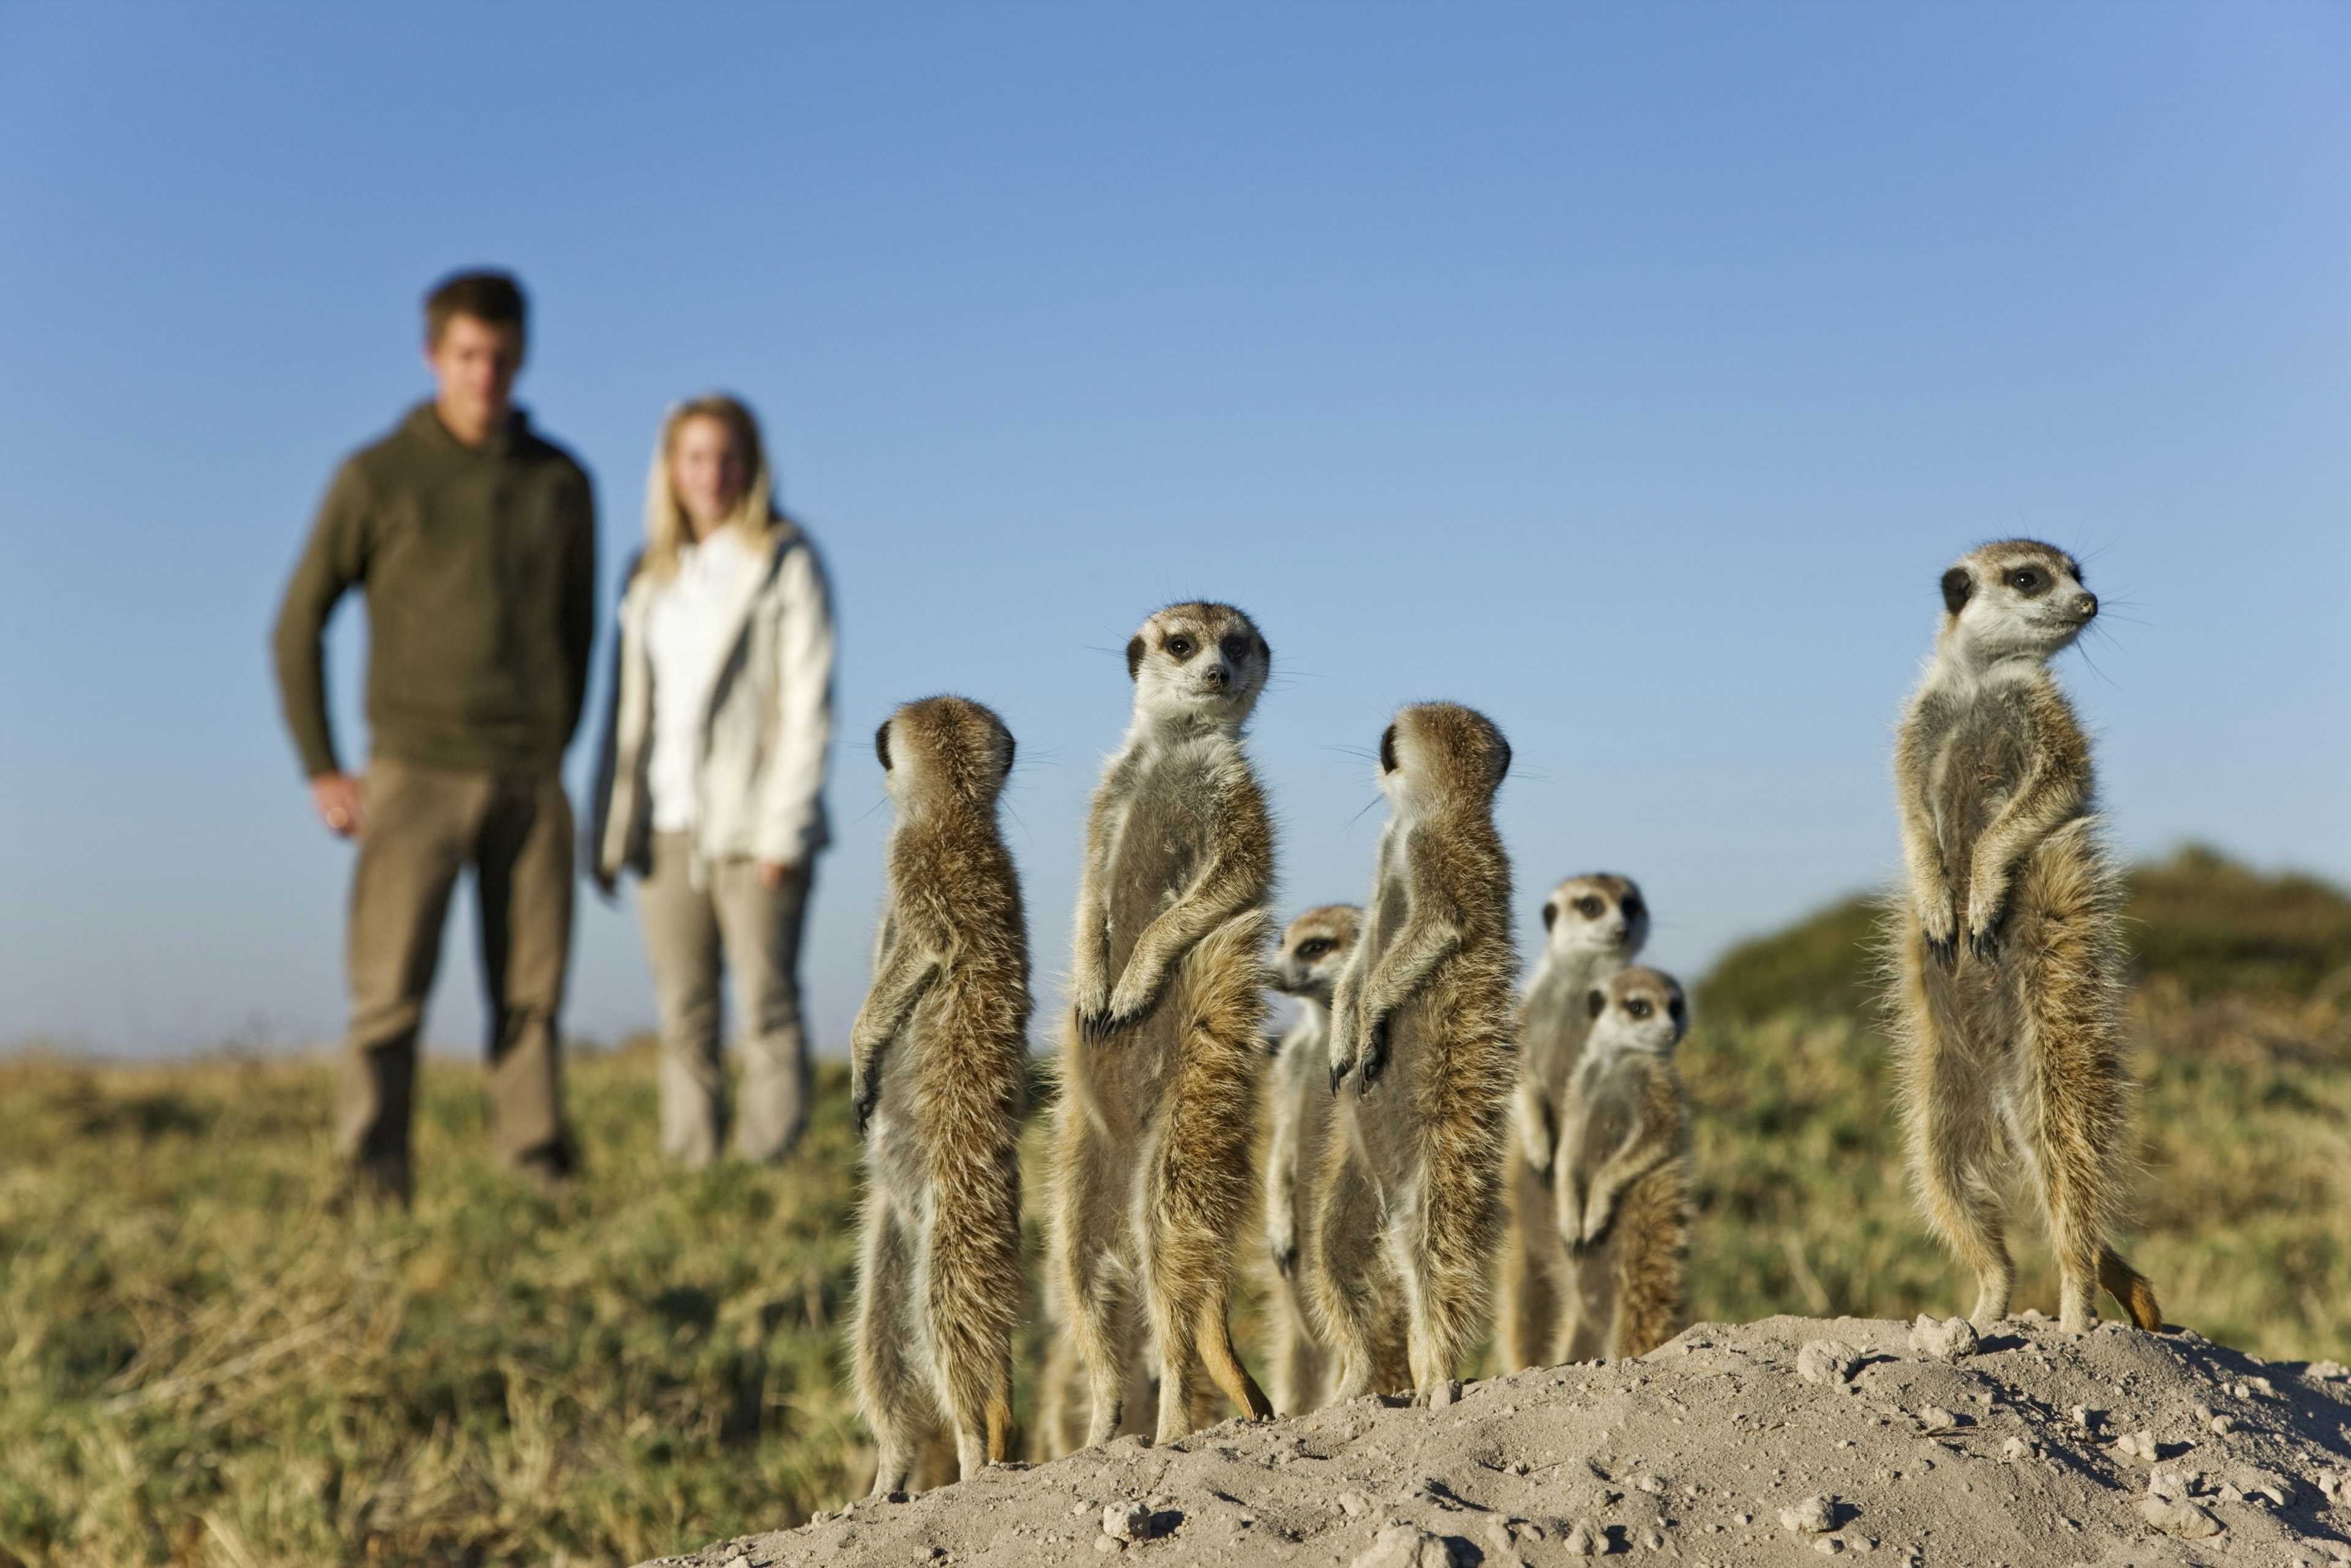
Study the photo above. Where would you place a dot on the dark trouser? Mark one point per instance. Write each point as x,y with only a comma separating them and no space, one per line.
729,920
422,827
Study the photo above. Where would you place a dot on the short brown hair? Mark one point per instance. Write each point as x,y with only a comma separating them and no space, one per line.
494,298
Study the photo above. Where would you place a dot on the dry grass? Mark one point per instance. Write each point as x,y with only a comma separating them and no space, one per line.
200,1362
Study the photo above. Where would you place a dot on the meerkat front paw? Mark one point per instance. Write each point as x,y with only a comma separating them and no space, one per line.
1938,926
1283,1244
1375,1057
1987,922
863,1092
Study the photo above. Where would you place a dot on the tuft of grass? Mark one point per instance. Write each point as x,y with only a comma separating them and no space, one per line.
204,1362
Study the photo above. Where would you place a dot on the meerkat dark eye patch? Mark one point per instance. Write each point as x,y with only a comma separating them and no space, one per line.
1957,585
1595,1001
1235,646
1551,916
881,745
1588,906
1134,649
1675,1009
1388,749
1632,909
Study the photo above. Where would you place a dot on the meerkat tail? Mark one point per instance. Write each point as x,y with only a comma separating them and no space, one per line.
1224,1364
2131,1288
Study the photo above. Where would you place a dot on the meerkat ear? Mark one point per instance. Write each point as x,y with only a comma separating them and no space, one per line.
1388,749
881,745
1135,656
1551,916
1595,1001
1957,585
1004,762
1502,768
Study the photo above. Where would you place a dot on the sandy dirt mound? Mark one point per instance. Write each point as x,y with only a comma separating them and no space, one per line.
1774,1442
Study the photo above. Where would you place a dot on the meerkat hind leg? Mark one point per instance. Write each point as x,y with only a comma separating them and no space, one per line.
889,1379
1955,1141
1092,1216
1344,1263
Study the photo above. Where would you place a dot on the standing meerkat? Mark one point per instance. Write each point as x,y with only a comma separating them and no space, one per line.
1313,948
1422,1023
1623,1177
1592,927
937,1055
2009,943
1153,1140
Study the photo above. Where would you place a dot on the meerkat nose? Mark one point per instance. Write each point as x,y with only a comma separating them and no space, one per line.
2087,605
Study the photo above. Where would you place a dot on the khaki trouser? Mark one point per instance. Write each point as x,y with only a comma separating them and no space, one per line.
422,827
755,932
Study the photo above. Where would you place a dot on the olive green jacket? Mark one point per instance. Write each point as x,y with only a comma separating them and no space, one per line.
479,567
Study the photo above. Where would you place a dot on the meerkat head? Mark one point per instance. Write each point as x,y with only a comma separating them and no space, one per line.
2016,599
1637,1010
1435,753
1198,663
943,752
1595,916
1313,946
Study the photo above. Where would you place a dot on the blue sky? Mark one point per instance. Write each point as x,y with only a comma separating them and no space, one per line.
1628,372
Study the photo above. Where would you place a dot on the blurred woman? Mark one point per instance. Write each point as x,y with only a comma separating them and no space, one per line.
712,784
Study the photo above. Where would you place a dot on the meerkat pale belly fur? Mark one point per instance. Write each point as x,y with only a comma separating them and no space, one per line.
937,1054
1622,1183
1154,1142
2008,942
1592,927
1313,948
1422,1062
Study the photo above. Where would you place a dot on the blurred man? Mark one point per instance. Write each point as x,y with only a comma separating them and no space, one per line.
474,541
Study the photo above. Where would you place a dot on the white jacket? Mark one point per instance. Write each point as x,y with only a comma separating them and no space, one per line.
760,788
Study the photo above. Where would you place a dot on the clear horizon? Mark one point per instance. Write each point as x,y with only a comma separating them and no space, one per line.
1630,374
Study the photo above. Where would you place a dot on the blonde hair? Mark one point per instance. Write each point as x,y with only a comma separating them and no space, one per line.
756,517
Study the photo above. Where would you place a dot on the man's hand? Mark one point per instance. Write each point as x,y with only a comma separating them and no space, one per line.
771,875
336,798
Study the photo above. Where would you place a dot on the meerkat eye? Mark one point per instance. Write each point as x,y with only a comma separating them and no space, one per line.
1235,647
1313,948
1182,647
1588,906
2027,580
1638,1007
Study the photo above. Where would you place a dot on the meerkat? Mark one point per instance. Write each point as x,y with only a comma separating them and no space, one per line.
1313,948
1592,927
1153,1135
1421,1021
1622,1183
936,1090
2007,946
